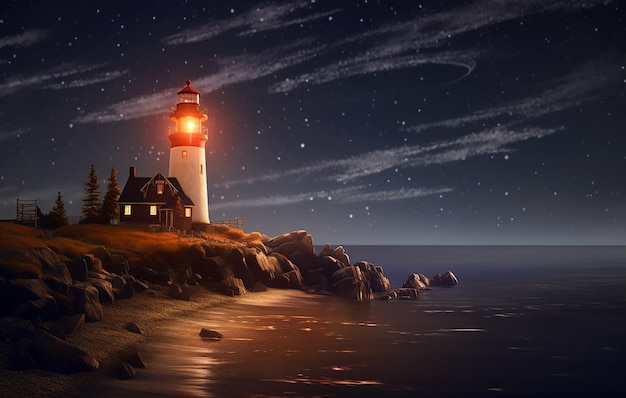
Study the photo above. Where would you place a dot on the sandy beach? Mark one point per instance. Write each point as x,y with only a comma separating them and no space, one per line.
108,341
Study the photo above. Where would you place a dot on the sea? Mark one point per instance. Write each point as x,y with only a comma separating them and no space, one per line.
523,321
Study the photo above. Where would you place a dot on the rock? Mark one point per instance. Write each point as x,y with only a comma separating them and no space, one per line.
58,356
230,287
349,283
118,283
128,289
140,286
151,276
403,293
447,279
136,361
289,280
13,328
111,262
71,323
338,253
235,260
21,290
45,308
126,371
330,265
132,327
297,245
211,334
78,269
179,292
415,281
88,301
56,330
262,267
378,281
105,290
51,263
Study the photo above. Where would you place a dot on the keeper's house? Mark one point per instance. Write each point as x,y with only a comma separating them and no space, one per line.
155,200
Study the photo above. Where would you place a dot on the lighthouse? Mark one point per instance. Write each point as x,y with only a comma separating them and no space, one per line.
187,153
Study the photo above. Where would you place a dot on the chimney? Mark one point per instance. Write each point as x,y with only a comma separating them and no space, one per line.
131,172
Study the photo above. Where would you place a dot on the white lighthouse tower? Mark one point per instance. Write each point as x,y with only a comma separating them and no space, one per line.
187,154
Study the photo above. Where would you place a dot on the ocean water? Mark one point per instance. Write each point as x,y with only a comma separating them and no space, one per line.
522,321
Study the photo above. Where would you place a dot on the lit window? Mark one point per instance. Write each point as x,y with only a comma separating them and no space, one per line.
153,210
159,186
127,210
187,212
184,154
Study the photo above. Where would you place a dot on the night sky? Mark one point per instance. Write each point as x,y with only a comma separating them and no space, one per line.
391,122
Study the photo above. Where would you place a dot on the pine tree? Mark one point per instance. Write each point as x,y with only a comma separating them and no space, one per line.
92,207
110,206
57,216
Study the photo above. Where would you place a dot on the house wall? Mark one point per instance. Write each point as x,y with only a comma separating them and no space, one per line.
139,213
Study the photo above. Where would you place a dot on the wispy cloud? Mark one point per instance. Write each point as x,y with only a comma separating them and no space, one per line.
27,38
261,18
485,142
353,194
55,78
9,134
88,80
597,78
233,70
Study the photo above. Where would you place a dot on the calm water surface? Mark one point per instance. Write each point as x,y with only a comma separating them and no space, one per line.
522,320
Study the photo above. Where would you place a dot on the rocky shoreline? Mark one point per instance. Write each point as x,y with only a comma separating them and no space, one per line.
79,313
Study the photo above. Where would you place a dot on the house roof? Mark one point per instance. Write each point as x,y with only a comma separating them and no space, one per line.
143,190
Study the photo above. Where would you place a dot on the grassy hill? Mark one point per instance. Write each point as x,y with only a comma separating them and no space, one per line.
138,245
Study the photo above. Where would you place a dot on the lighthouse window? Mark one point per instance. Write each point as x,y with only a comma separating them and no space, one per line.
127,210
184,154
201,169
187,212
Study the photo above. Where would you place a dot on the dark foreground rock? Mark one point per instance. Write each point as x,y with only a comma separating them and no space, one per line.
211,334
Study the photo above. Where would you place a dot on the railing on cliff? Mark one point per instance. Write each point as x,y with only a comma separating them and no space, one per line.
26,212
237,223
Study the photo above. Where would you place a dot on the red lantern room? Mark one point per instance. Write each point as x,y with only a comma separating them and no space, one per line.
188,117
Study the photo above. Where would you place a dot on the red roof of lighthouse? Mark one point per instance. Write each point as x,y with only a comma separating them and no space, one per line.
188,89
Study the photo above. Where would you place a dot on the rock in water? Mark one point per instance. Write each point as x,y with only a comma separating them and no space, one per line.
126,371
447,279
136,361
211,334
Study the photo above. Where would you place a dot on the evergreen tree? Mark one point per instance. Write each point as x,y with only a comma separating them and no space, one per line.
57,217
92,207
110,206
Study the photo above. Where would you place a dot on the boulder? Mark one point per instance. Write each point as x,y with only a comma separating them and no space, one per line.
78,268
235,260
415,281
71,323
403,293
179,292
58,356
136,361
263,268
230,286
111,262
21,290
285,264
378,281
288,280
338,253
125,371
349,283
128,290
44,308
88,301
209,334
52,264
105,290
447,279
132,327
330,265
295,245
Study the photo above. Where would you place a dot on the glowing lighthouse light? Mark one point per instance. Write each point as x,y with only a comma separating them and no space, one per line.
187,152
